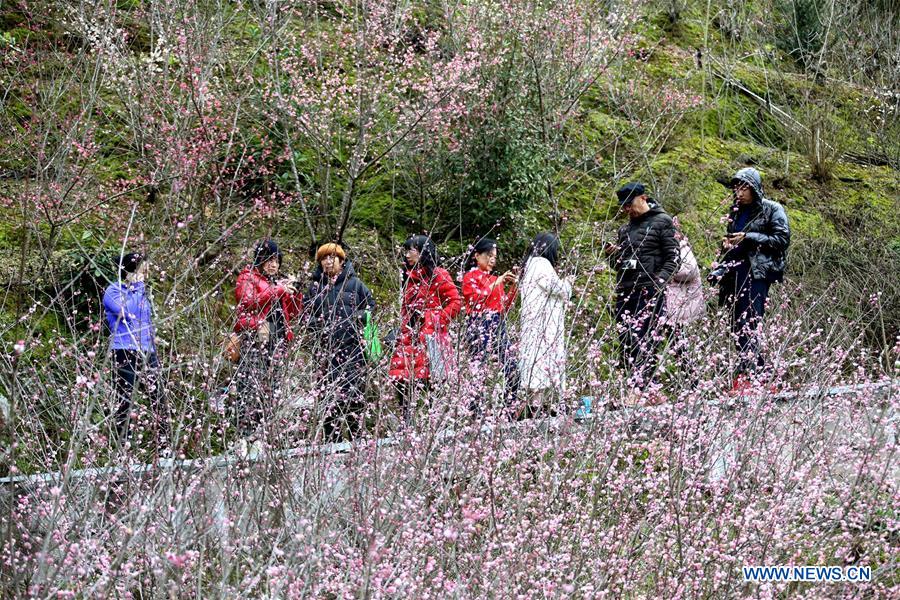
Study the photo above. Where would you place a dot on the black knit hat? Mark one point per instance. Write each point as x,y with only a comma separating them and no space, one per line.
130,262
265,250
630,191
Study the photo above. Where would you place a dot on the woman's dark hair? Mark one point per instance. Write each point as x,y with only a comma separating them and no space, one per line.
130,262
428,257
481,246
545,245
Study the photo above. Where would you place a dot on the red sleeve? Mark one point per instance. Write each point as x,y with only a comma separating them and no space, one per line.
475,289
448,294
251,297
293,305
407,298
509,298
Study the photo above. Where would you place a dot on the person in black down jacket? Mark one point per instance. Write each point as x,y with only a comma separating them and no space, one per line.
337,302
645,257
755,246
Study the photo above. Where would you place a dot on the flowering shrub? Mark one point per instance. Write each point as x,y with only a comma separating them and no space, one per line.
187,132
666,500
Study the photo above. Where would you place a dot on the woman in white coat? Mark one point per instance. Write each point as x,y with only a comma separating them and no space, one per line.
684,293
685,304
542,345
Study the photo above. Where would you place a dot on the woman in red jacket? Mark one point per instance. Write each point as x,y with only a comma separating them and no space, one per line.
267,306
430,302
488,298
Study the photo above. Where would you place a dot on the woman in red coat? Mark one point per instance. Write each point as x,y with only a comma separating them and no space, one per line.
267,307
430,302
488,297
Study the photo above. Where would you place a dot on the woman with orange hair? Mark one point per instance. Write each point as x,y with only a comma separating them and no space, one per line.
337,302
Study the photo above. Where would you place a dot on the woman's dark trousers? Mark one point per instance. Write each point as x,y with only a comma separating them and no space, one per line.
487,338
747,299
135,367
638,314
346,382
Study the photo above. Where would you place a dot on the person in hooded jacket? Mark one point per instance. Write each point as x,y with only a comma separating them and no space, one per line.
336,304
754,257
488,298
129,315
645,258
430,301
268,305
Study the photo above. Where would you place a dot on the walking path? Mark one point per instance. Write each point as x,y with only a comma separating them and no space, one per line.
883,388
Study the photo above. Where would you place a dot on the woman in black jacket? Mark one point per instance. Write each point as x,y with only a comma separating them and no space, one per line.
337,302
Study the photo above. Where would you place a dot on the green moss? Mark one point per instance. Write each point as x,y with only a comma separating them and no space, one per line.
666,65
21,35
18,110
868,206
11,234
381,209
115,159
810,225
691,32
597,127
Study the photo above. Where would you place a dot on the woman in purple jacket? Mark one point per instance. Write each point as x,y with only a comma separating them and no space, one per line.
130,317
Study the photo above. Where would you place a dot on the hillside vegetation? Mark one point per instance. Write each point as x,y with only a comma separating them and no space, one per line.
190,129
219,122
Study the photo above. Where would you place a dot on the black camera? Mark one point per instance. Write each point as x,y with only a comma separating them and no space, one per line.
716,275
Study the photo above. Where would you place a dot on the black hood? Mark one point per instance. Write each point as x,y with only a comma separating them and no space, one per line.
751,177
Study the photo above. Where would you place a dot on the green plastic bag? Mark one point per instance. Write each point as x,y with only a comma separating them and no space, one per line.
374,351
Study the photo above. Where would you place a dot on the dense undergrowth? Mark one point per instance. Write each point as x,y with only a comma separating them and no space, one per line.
192,129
